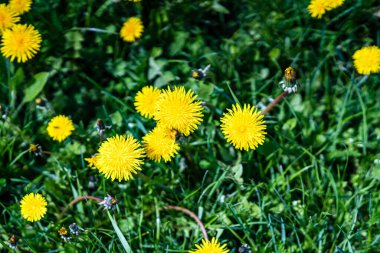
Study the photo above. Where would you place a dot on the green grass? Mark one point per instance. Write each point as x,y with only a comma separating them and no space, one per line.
312,187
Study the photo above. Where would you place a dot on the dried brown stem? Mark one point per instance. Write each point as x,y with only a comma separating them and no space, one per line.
77,200
275,102
192,215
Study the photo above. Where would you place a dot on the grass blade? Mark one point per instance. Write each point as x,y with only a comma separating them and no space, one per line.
122,239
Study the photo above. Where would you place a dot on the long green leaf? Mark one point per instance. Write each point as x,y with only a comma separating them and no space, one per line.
32,91
120,234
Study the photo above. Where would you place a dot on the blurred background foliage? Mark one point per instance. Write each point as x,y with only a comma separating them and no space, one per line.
312,187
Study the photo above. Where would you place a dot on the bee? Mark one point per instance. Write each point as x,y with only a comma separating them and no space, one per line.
101,127
36,149
114,201
199,74
40,102
173,134
12,242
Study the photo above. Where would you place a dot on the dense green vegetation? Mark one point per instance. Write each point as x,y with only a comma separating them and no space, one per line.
312,187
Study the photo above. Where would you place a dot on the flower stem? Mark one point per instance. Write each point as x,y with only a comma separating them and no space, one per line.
275,102
76,200
192,215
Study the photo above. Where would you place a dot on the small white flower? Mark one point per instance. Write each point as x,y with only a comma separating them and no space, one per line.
108,202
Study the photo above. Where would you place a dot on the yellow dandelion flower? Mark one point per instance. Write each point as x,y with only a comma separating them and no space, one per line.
332,4
119,157
21,42
146,100
317,8
160,143
177,109
243,127
33,207
212,246
132,29
367,60
20,6
92,161
8,17
60,127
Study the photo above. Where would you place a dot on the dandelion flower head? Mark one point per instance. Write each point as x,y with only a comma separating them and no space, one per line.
367,60
243,127
60,127
20,6
212,246
317,8
290,74
8,17
161,143
146,100
132,29
33,207
119,157
178,110
21,42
